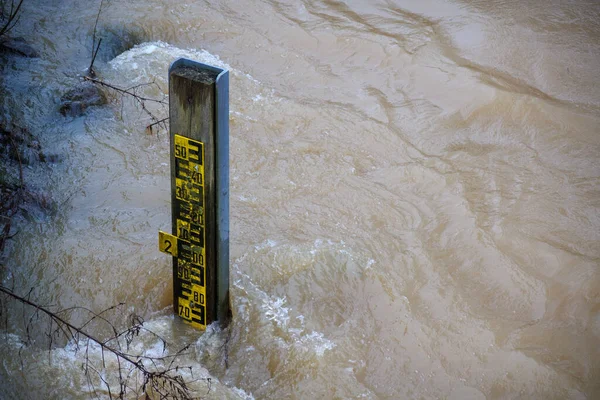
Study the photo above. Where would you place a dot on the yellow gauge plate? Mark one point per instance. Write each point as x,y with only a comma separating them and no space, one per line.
187,246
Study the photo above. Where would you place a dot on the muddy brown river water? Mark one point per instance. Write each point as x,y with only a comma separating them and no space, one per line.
415,195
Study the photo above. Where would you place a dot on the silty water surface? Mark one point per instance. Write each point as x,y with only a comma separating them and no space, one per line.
415,195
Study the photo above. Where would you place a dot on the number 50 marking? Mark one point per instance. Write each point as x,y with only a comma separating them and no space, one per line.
181,150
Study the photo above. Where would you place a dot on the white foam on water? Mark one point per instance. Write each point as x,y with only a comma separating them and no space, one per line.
271,259
243,395
161,51
12,339
68,364
318,342
276,311
144,70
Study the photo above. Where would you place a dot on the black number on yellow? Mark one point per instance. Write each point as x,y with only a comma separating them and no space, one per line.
197,258
180,151
196,215
183,273
198,298
184,233
168,248
184,311
182,193
197,177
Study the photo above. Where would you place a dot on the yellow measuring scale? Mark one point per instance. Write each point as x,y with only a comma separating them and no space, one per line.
188,245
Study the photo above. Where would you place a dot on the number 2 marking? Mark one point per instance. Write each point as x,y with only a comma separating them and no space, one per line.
167,243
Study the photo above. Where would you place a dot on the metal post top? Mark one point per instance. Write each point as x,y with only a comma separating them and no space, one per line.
185,62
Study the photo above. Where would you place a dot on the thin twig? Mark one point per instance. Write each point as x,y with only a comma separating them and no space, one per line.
95,315
166,383
126,91
162,121
91,73
16,149
13,17
11,205
94,48
140,100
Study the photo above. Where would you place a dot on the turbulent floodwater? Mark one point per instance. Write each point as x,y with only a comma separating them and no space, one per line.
415,196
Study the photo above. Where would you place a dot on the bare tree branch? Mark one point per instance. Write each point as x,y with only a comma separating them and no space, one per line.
164,382
139,100
12,16
131,91
128,91
95,49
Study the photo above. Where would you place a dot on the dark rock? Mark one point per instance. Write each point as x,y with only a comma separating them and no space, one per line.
49,158
19,144
76,101
18,46
17,135
9,182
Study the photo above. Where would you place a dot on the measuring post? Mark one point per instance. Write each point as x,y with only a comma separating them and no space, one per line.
199,242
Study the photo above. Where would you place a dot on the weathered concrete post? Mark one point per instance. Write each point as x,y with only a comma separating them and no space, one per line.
199,244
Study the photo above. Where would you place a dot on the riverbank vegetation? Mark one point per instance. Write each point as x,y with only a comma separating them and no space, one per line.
46,326
15,141
10,13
